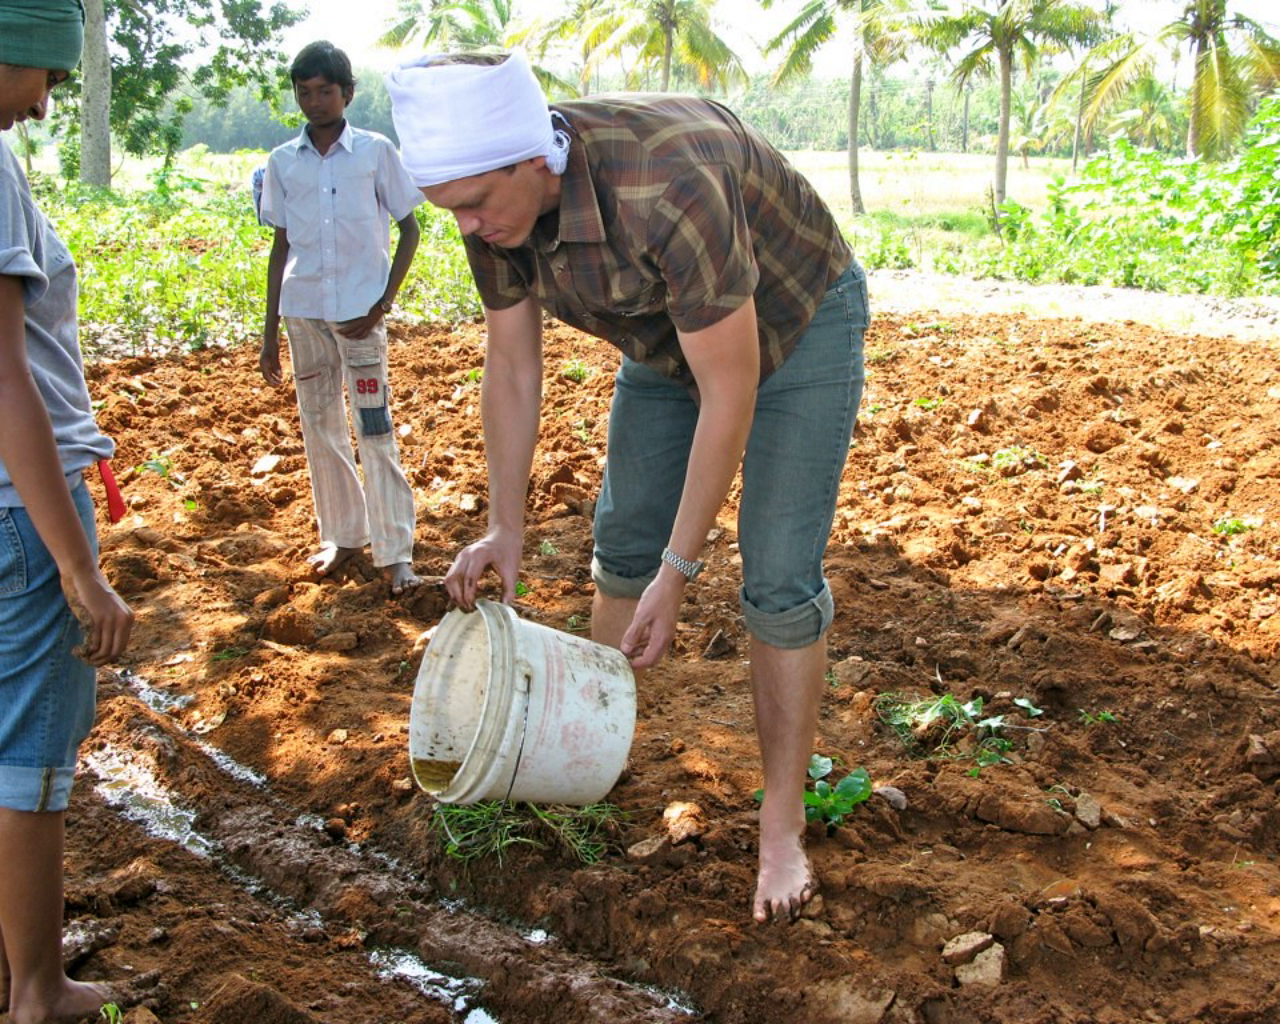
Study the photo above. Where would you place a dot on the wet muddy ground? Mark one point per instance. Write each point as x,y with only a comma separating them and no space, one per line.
1073,519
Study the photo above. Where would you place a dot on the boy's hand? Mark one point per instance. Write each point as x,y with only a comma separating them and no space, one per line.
362,326
105,619
269,363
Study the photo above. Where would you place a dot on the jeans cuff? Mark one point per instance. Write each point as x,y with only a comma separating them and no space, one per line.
795,628
611,585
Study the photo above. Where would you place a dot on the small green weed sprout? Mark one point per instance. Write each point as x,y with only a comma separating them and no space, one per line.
577,624
547,549
576,371
1231,526
468,832
522,588
158,464
1088,718
1009,458
877,356
475,375
927,404
914,330
110,1012
827,803
229,653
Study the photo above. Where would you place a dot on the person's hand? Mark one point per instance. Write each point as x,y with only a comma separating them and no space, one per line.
653,626
362,326
269,362
107,621
498,548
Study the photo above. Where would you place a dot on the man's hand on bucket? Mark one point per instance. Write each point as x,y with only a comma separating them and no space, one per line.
499,549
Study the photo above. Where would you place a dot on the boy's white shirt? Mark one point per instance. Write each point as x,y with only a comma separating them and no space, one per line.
337,209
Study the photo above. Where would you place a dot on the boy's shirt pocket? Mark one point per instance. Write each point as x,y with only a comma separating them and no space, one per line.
356,197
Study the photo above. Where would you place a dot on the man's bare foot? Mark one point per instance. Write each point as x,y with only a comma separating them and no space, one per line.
402,577
73,1000
330,558
785,883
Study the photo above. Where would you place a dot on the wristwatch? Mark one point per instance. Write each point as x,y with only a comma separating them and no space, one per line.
689,570
386,305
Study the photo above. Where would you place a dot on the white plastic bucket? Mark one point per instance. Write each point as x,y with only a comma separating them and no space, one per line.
509,709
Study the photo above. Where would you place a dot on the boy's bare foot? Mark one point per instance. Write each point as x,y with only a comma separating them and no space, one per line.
785,883
402,577
330,558
73,1000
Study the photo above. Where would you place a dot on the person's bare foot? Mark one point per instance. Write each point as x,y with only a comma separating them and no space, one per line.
330,558
402,578
785,883
73,1000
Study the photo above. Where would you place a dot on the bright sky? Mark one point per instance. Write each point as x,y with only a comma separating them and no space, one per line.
356,27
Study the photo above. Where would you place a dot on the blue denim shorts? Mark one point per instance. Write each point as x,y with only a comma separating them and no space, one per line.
795,455
47,694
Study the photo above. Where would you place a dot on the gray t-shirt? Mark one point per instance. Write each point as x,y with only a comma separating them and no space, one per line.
31,250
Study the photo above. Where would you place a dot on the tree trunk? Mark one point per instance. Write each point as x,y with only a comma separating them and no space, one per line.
666,61
95,99
1079,134
964,131
1002,141
928,108
1194,127
855,101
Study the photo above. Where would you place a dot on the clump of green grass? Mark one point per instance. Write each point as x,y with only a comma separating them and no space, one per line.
945,727
470,832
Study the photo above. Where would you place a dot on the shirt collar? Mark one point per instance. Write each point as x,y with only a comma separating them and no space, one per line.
303,141
580,219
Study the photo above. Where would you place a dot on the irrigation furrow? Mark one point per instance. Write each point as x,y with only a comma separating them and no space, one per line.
350,888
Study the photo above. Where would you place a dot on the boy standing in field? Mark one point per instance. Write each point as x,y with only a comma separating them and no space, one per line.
330,195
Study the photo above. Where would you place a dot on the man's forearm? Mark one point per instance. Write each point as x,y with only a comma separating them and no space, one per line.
510,405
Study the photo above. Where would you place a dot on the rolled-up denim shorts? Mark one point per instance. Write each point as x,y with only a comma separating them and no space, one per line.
795,455
47,694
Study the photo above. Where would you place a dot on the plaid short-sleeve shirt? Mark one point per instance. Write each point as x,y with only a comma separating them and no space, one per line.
672,213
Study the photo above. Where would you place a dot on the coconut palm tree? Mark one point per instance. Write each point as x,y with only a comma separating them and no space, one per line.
583,28
465,25
1235,61
993,35
879,31
449,24
1151,117
678,37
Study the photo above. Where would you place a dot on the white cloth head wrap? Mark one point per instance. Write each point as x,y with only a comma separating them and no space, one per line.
458,120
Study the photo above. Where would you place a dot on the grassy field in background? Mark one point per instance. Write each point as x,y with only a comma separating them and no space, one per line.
914,184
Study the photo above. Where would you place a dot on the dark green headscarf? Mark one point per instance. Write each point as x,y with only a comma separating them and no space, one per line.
46,34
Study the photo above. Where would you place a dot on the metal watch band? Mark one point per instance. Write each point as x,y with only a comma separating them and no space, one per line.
689,570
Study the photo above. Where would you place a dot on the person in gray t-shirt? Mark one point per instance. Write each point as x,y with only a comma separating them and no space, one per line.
48,547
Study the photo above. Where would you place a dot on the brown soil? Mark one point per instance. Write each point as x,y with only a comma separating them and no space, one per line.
1028,513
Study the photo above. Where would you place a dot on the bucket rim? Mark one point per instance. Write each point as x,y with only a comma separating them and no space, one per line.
502,716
